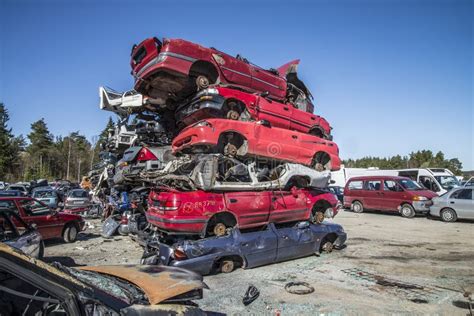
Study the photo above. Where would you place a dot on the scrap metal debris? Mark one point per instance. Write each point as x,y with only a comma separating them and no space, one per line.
299,288
251,295
413,292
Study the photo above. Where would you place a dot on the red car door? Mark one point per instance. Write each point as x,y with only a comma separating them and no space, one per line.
49,224
288,206
251,208
275,143
278,114
373,194
263,80
393,195
235,70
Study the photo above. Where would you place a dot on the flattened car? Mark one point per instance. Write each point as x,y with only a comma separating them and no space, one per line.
32,287
248,249
237,138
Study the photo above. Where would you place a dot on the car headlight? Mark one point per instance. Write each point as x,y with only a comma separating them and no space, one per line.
419,198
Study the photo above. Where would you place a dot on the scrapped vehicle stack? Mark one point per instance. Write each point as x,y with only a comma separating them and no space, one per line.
215,142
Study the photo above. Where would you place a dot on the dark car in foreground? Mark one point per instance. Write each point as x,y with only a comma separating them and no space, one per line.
32,287
250,249
18,234
50,223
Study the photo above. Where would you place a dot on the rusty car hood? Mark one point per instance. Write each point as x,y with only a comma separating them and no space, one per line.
159,283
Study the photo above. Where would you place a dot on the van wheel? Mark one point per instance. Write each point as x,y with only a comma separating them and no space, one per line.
227,266
407,211
70,233
357,207
448,215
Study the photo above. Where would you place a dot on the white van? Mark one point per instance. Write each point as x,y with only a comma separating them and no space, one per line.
438,180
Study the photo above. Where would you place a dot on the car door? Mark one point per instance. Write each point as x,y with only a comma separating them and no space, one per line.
235,70
49,225
263,80
275,143
462,202
293,242
392,195
373,194
303,121
288,205
259,247
251,208
278,114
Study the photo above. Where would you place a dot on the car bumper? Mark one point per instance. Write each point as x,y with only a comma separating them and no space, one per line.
421,206
435,211
200,135
205,106
177,224
164,62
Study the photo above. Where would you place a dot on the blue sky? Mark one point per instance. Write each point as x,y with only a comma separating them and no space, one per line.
390,76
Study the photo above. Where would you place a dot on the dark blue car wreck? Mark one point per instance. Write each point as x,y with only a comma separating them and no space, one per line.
249,249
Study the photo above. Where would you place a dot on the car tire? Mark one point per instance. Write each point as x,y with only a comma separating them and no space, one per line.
407,211
357,207
70,233
448,215
227,266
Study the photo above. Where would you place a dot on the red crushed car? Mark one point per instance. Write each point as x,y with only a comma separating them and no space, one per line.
50,224
238,105
211,213
170,69
238,138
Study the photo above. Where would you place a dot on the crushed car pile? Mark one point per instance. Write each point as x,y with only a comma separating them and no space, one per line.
212,146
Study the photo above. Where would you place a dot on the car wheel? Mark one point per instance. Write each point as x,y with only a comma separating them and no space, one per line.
227,266
232,115
317,217
327,246
230,150
219,229
70,233
202,82
357,207
448,215
407,211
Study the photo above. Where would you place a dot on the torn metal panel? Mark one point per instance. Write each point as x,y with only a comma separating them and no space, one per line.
159,283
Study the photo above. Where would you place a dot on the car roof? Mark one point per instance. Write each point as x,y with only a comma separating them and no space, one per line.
377,178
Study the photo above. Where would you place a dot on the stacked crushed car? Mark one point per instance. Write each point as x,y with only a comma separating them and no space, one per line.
207,142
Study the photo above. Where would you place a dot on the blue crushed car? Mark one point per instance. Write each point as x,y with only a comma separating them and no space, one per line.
247,250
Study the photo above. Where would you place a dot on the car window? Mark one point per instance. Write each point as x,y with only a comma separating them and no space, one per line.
389,185
7,230
356,185
230,171
465,194
43,194
9,204
34,208
78,194
373,185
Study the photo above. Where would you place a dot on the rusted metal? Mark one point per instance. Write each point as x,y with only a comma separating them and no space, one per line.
159,283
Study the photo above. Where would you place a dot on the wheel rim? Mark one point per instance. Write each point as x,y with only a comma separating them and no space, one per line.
406,211
219,229
227,266
233,115
327,247
448,216
230,150
357,208
202,82
319,218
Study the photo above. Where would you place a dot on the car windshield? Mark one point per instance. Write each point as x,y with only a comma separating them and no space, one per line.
43,194
78,194
448,182
410,185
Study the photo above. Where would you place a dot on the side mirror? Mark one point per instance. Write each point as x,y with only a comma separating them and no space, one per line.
265,123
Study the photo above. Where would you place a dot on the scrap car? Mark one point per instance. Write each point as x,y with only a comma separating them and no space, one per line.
50,223
211,213
32,287
237,138
19,235
275,243
221,102
169,70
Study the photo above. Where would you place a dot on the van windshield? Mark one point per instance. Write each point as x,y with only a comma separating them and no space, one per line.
410,185
448,182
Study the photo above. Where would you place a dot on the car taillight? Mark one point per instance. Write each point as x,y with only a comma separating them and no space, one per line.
145,154
169,205
179,254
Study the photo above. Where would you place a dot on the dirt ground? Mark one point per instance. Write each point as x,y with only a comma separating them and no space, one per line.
435,258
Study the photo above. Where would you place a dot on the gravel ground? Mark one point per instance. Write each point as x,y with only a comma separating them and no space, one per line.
437,257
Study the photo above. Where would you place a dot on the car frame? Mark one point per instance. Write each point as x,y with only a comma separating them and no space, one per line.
241,139
248,249
222,102
177,67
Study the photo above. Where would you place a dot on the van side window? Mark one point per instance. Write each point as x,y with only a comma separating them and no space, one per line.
389,185
373,185
356,185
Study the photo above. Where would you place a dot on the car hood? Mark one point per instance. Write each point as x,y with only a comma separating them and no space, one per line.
159,283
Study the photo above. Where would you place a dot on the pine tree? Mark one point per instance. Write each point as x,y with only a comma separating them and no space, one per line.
8,152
